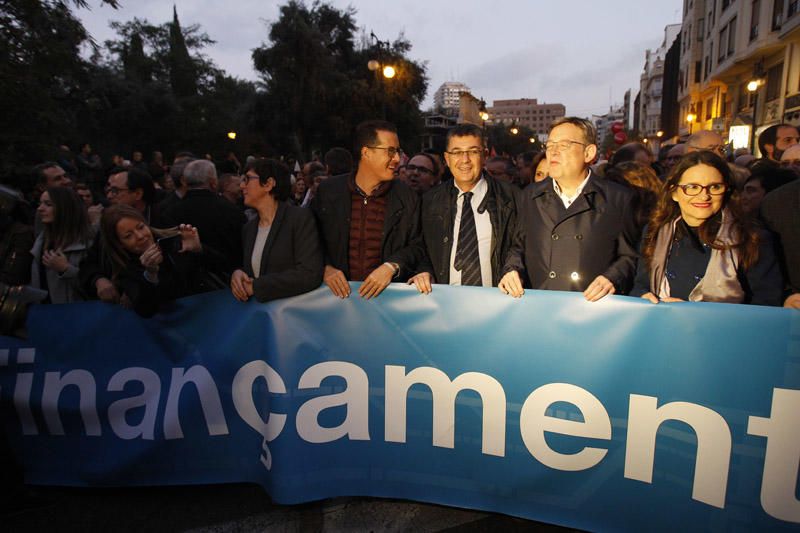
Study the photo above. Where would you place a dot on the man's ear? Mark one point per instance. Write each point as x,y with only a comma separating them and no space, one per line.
591,153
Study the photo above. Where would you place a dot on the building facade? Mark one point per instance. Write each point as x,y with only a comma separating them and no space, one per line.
651,87
603,122
448,96
724,45
526,112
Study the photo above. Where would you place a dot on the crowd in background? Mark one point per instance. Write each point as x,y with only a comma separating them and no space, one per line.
141,233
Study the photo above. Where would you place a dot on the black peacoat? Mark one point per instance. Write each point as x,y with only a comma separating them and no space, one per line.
566,249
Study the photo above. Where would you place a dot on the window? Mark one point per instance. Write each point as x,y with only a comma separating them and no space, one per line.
700,30
711,15
774,76
727,40
698,69
792,8
754,19
725,4
709,107
777,14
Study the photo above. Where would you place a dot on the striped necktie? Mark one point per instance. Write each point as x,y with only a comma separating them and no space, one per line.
467,260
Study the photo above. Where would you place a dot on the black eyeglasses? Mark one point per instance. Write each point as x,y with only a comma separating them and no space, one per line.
113,191
415,168
391,151
693,189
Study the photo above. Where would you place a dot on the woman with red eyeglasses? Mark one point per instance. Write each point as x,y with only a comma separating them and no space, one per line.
698,245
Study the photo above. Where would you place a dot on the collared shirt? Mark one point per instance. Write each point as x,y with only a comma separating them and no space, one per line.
567,200
483,227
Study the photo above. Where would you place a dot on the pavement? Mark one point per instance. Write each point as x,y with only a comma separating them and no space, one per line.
240,507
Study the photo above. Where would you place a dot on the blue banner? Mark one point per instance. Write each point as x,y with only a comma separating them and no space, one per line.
616,415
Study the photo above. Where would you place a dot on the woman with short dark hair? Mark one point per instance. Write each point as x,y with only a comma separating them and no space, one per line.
699,246
282,253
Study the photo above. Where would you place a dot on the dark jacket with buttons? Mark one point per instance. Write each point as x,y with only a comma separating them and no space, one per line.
438,220
401,240
566,249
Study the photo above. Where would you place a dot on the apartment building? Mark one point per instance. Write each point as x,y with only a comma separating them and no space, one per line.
526,112
724,45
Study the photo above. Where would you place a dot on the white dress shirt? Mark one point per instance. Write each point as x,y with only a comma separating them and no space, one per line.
567,200
483,227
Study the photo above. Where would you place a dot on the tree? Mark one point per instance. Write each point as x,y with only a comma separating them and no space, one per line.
504,142
181,67
317,86
41,74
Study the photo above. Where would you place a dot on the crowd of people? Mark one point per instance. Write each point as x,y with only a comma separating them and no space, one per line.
699,222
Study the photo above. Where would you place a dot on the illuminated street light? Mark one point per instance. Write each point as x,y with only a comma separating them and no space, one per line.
373,65
232,135
659,134
389,72
484,115
644,140
514,130
752,87
532,140
690,118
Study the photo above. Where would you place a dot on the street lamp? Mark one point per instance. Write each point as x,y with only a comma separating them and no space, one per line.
232,135
752,87
389,72
690,118
514,130
659,134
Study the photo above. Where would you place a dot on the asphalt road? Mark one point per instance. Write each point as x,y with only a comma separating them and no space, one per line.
229,508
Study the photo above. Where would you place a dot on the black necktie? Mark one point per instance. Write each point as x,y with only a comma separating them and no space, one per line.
467,260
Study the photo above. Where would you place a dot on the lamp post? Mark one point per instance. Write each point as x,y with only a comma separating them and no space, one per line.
690,118
752,88
376,66
483,114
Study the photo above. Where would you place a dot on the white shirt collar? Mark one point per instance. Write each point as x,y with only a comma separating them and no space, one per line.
567,200
478,191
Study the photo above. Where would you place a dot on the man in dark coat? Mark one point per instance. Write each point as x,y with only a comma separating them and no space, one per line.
447,229
218,221
577,232
369,223
781,211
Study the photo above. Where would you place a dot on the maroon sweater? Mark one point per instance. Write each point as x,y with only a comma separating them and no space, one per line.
367,213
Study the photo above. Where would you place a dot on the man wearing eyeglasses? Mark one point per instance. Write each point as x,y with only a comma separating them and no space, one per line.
133,187
577,232
369,222
422,172
706,140
468,224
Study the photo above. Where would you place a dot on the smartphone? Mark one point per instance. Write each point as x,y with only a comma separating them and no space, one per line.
169,245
